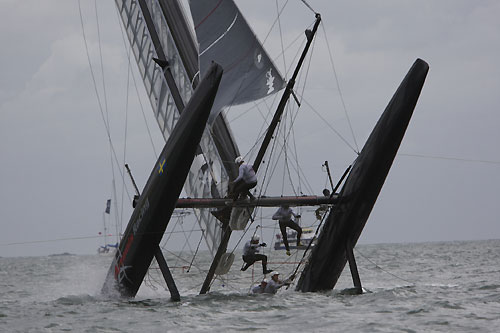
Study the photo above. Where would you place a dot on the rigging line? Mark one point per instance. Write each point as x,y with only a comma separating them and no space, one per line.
297,161
298,169
264,99
186,243
152,282
180,221
262,130
243,235
102,65
173,230
286,164
292,43
305,178
284,150
338,88
128,52
244,112
269,163
450,158
308,6
331,127
312,240
281,38
125,138
196,252
179,258
274,23
273,160
298,108
301,73
106,125
224,283
383,270
117,217
49,240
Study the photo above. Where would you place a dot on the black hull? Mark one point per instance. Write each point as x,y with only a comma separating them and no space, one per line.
357,198
155,206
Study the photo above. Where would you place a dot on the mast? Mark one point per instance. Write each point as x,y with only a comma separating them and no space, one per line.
267,139
286,95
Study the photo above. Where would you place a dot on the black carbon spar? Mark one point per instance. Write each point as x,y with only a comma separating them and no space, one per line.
360,191
150,218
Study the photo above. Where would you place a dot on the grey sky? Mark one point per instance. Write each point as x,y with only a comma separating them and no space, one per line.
55,172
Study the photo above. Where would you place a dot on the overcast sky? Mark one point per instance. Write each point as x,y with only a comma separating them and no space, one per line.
55,171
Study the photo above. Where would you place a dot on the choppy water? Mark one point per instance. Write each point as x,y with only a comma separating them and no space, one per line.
433,287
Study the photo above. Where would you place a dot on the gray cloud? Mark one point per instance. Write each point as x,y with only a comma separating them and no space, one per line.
55,171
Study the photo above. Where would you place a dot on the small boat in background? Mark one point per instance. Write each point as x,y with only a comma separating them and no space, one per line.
306,238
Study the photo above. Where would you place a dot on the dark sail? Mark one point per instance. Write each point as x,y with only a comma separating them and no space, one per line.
348,218
224,36
155,206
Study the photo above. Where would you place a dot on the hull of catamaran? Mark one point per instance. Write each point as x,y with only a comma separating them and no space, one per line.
357,198
155,206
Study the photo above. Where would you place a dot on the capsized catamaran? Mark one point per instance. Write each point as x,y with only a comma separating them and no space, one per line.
166,52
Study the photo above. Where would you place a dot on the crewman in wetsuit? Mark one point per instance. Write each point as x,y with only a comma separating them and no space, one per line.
259,289
245,181
274,284
284,215
251,254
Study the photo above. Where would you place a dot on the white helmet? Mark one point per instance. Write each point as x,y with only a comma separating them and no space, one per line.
264,281
255,238
238,160
273,273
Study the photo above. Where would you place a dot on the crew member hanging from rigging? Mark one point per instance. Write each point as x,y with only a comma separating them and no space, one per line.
284,215
251,254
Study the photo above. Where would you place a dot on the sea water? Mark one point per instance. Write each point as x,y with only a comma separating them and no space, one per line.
425,287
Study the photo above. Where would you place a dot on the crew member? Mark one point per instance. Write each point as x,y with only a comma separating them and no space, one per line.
275,283
259,289
284,215
245,181
251,254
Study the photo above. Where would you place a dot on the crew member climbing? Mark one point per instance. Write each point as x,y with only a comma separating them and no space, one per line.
284,215
251,254
245,181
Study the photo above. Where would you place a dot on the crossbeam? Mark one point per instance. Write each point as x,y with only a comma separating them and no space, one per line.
310,200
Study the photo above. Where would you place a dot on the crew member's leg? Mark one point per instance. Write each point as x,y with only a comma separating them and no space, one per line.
249,261
238,187
283,234
297,228
264,263
249,187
